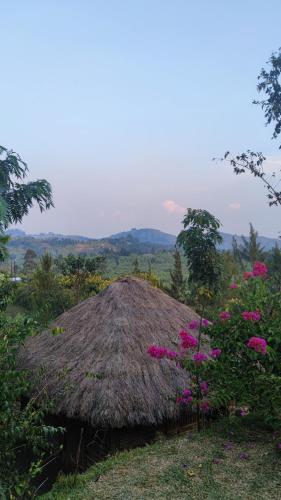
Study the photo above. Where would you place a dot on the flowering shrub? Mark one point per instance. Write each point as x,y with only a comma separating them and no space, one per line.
248,370
196,363
243,364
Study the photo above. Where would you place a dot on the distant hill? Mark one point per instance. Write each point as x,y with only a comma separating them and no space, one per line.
136,241
148,236
46,236
267,243
169,240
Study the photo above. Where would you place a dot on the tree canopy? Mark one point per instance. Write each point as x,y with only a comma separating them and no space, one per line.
17,196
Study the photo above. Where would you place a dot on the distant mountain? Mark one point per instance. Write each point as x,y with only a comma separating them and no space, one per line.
58,236
15,232
154,236
136,241
19,233
169,240
267,243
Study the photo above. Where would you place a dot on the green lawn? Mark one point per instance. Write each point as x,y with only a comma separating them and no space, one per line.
216,465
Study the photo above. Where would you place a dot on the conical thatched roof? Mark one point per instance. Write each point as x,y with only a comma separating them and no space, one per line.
98,369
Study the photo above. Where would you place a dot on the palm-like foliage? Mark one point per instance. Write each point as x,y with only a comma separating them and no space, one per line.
17,197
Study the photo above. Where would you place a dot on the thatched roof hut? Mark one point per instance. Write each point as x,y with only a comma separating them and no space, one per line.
97,369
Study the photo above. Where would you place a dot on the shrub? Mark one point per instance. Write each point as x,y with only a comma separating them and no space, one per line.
243,367
22,427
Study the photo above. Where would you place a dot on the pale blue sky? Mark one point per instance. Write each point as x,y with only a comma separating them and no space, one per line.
122,104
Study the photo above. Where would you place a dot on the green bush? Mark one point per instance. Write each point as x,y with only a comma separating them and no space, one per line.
22,428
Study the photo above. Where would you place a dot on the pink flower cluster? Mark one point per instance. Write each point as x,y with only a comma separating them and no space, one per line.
251,315
260,269
200,357
194,324
159,352
258,344
186,397
225,315
233,285
204,388
215,353
187,340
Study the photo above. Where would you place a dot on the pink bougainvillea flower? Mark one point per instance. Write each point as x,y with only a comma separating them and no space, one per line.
204,387
233,285
247,275
205,323
193,325
225,315
200,357
205,406
178,399
187,340
257,344
251,315
187,400
157,351
171,354
260,269
186,393
215,353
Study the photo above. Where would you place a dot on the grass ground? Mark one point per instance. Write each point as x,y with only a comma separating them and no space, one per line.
219,464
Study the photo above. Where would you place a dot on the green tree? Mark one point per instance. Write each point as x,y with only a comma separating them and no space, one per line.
236,252
29,261
43,295
136,267
199,240
80,268
274,260
16,196
251,250
178,283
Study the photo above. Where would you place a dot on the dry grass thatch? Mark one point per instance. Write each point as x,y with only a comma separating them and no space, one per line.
98,369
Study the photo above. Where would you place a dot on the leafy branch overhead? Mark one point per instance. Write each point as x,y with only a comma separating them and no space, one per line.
16,196
269,83
253,162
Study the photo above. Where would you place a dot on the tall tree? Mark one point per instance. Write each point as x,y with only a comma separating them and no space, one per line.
251,249
178,283
29,261
199,240
136,267
236,251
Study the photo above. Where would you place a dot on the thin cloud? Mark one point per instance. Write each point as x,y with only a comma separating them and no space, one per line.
173,208
235,205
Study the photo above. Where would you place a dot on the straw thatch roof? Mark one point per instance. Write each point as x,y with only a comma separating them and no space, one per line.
98,369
